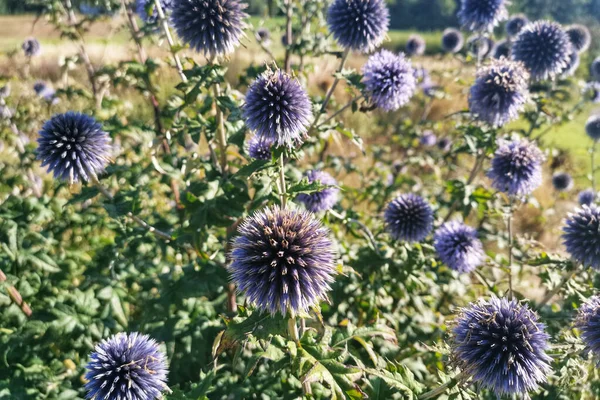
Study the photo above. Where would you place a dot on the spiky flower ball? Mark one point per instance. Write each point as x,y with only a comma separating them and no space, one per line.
415,45
586,197
322,200
581,236
499,92
516,168
428,139
562,181
482,15
501,49
283,260
580,37
444,144
501,344
277,108
146,9
211,27
73,146
126,366
588,323
260,149
389,80
359,25
592,127
452,40
515,24
595,69
544,48
458,246
409,218
31,47
263,35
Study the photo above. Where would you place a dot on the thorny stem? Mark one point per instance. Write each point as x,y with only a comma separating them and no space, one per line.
281,183
341,110
509,223
167,31
444,387
560,285
221,134
16,297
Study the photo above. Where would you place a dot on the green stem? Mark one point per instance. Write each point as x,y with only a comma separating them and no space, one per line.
341,110
221,134
561,284
510,248
444,387
165,26
281,184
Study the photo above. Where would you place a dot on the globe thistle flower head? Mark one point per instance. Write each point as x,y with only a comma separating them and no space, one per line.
588,323
415,45
572,65
586,197
409,218
260,149
146,9
428,139
516,168
444,144
322,200
458,246
595,69
211,27
581,236
544,48
501,344
515,24
389,80
126,366
478,47
73,146
283,260
592,127
580,37
591,91
359,25
562,181
263,35
31,47
482,15
501,49
452,40
277,109
499,92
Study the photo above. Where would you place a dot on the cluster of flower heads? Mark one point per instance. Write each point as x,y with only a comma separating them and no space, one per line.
211,27
409,218
126,366
321,200
482,15
359,25
389,80
500,92
458,246
516,168
31,47
581,236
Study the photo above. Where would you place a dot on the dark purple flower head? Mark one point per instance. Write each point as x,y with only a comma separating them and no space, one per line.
359,25
211,27
146,9
444,144
515,24
516,168
581,236
31,47
595,69
452,40
458,246
263,35
478,47
415,45
126,366
283,260
591,91
277,108
499,92
389,80
592,127
322,200
409,218
588,322
482,15
501,49
580,37
45,92
562,181
586,197
544,48
260,149
501,344
73,146
428,139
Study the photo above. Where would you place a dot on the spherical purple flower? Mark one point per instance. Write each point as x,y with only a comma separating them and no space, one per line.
322,200
581,236
126,366
586,197
260,149
595,69
588,322
389,80
515,24
592,127
516,168
146,9
408,217
501,344
31,47
283,260
544,48
458,246
277,108
499,92
482,15
591,91
501,49
415,45
562,181
452,40
45,92
428,139
263,35
359,25
73,146
444,144
580,37
211,27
